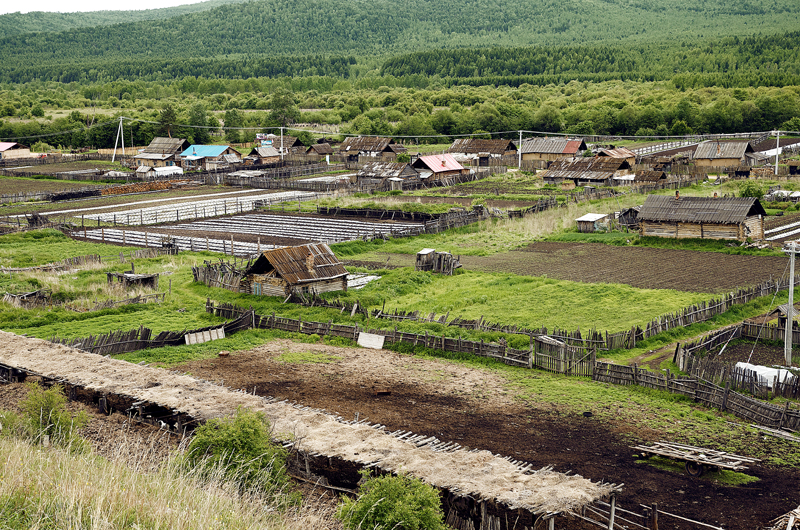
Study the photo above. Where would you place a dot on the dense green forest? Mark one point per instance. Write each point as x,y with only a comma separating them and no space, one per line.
41,21
381,29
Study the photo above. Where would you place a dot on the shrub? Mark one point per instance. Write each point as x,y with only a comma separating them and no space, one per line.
751,188
238,448
44,413
392,503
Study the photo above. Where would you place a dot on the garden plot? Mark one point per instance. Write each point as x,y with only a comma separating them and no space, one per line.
174,213
310,228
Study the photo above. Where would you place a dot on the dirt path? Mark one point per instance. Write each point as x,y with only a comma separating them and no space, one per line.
477,409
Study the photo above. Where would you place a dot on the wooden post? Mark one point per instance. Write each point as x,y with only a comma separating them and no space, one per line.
653,517
613,512
103,235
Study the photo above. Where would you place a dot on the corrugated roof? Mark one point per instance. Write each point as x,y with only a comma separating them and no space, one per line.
164,145
619,152
292,263
592,217
5,146
479,145
729,210
267,152
153,156
587,168
386,170
714,149
439,163
204,150
371,144
555,146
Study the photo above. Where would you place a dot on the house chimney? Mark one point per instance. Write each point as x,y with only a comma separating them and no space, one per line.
715,194
677,195
443,163
719,149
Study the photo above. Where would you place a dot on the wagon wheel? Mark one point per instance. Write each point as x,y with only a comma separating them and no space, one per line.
695,469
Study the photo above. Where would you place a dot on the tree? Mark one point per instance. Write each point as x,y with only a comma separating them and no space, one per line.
198,118
751,188
283,109
547,119
167,118
233,118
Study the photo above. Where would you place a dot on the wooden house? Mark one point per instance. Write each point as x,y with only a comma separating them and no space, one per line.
588,223
587,171
208,157
716,153
265,155
14,150
323,149
629,217
736,218
437,167
481,149
551,148
311,269
284,144
162,152
355,148
379,173
619,153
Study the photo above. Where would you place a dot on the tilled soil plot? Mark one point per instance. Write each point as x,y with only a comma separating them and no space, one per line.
474,408
646,268
761,354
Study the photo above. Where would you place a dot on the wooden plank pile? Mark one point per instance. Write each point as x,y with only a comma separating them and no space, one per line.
707,457
787,521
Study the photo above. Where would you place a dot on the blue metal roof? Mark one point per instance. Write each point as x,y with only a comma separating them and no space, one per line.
205,150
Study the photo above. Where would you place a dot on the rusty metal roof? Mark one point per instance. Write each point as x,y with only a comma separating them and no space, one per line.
370,144
587,168
478,145
169,146
730,210
714,149
649,176
619,152
300,264
387,170
556,146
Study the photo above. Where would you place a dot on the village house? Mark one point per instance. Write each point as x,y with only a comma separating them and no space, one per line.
264,155
323,149
14,150
551,148
162,152
586,172
284,144
716,153
437,167
645,176
390,174
619,153
481,150
357,147
304,269
737,218
208,157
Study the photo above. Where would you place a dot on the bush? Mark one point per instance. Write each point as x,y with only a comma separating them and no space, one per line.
751,188
238,448
44,413
392,503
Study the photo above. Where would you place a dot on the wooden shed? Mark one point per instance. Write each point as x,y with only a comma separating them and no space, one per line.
794,167
473,147
14,150
320,149
551,148
430,260
311,268
588,223
437,167
379,172
587,171
357,147
649,177
735,218
619,153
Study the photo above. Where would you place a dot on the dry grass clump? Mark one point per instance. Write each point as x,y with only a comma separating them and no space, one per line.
52,488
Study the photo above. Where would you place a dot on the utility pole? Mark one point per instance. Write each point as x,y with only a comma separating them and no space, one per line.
121,135
519,152
777,150
790,248
281,143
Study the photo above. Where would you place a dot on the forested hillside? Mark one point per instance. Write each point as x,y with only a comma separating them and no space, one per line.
40,21
381,28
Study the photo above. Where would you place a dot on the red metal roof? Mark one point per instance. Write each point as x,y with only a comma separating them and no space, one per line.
573,146
440,163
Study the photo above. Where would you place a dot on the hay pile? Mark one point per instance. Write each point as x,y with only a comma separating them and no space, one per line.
479,474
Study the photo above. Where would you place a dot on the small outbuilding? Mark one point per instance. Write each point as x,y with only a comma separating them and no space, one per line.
794,167
587,171
442,262
322,149
437,167
379,172
14,150
551,148
588,223
736,218
472,148
645,176
304,269
356,147
619,153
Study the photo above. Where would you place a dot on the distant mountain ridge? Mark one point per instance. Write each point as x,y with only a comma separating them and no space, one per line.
47,22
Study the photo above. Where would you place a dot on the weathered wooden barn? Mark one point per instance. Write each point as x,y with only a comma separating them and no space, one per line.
265,155
162,152
618,153
720,153
551,148
482,149
587,171
379,173
649,176
736,218
14,150
437,167
357,147
629,217
304,269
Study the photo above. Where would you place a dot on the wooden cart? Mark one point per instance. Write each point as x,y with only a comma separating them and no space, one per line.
698,459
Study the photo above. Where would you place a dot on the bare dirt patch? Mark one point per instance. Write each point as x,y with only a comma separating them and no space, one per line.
475,408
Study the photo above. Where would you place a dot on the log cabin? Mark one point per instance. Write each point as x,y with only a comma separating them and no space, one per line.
311,268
